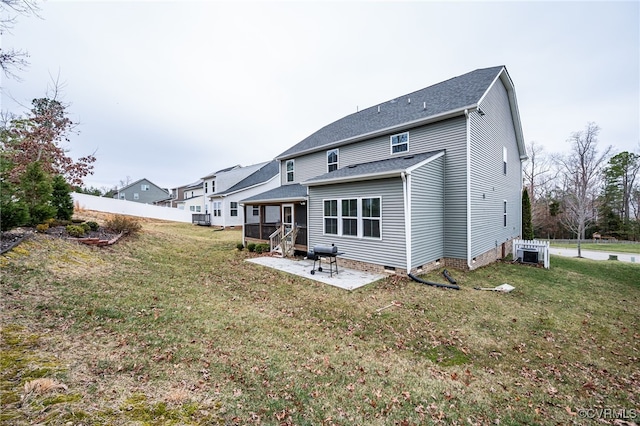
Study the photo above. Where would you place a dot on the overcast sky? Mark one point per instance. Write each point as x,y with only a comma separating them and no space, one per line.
171,91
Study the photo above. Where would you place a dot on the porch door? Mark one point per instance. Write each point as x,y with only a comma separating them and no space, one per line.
287,217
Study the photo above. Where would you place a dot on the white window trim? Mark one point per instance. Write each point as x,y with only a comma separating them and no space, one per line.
144,187
232,209
337,163
136,196
504,160
360,218
292,171
391,145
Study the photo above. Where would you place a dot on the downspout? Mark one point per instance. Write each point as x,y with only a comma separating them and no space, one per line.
466,114
406,190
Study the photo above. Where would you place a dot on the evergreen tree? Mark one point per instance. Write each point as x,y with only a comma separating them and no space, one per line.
61,198
527,224
36,192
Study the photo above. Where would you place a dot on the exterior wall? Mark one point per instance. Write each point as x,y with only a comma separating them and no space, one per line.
196,201
490,187
388,251
146,197
427,213
450,135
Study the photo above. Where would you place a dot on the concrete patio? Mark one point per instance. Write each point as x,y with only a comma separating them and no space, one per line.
347,279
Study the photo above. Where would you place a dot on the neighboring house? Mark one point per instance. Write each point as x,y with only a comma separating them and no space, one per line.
225,207
193,198
175,195
142,191
432,178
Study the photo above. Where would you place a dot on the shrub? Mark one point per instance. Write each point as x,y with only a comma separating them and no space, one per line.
61,198
85,226
262,248
42,227
240,246
251,247
124,224
75,230
93,225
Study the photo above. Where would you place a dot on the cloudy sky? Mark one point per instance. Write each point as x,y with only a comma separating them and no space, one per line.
171,91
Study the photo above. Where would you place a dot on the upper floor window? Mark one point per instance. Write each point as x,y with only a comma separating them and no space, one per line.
504,160
290,176
144,187
206,189
332,160
400,143
233,208
213,186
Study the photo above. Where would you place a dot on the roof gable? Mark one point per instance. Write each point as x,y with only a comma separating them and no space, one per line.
262,175
455,94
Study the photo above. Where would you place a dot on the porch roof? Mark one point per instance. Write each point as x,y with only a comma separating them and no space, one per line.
389,167
283,193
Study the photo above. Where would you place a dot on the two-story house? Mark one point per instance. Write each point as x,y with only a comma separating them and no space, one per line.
142,191
432,178
193,198
225,203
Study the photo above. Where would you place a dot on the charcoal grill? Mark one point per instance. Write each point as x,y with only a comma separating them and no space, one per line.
319,252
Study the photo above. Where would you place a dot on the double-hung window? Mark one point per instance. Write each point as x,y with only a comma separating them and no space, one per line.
353,217
332,160
400,143
350,217
256,210
217,208
290,171
136,196
206,187
144,187
331,217
504,213
233,208
371,217
504,160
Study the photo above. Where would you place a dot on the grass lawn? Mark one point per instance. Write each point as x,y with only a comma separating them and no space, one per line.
608,247
173,327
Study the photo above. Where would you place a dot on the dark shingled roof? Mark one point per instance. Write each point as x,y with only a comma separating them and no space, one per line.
373,168
450,95
281,193
263,174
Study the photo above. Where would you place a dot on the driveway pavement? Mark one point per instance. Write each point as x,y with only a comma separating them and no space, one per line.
596,255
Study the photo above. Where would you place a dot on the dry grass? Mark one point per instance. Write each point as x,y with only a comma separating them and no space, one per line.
173,327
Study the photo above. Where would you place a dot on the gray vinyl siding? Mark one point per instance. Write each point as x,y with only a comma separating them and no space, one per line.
489,185
388,251
450,135
427,213
146,197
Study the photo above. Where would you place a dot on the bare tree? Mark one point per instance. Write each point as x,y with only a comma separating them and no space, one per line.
580,170
536,170
14,60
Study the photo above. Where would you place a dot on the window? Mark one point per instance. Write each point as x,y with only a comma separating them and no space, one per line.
144,187
354,217
332,160
233,206
213,186
331,217
371,217
256,210
121,195
136,196
504,160
206,189
289,170
217,208
197,209
504,214
350,217
400,143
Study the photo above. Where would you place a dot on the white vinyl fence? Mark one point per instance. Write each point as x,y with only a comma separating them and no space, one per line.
130,208
532,251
